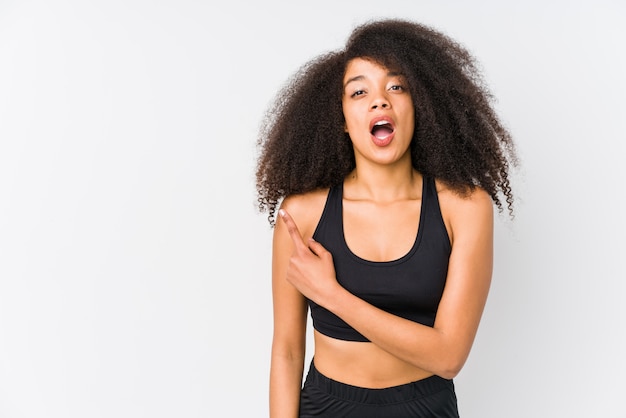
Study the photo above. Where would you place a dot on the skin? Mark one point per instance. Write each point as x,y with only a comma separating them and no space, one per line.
382,198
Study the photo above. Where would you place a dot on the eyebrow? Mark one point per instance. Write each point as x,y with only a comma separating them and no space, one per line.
362,77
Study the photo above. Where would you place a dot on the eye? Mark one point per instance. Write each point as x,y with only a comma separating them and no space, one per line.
357,93
396,87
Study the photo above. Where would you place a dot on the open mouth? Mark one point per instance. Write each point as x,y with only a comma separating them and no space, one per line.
382,129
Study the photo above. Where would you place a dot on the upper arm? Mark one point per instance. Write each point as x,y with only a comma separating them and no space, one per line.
470,221
289,305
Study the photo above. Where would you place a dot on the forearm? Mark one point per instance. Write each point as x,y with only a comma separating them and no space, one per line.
425,347
285,384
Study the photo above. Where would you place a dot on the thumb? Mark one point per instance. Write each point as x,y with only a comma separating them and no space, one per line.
317,248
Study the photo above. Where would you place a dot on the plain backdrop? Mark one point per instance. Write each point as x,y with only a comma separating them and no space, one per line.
135,268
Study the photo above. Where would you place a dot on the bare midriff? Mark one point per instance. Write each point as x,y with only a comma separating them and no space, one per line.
362,364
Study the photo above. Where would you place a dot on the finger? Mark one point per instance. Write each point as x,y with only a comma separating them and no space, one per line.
292,228
317,248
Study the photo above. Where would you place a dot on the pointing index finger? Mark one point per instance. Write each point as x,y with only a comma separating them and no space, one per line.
292,228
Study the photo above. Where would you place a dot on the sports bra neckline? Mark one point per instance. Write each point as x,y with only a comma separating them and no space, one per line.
408,254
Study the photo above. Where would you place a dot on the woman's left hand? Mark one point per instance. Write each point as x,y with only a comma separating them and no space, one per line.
311,269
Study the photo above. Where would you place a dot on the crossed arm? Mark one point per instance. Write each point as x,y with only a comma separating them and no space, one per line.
304,268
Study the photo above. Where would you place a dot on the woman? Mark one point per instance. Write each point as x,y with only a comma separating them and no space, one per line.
385,159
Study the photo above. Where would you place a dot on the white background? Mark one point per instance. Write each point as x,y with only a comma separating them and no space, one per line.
135,269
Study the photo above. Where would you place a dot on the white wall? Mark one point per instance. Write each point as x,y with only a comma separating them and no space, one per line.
134,268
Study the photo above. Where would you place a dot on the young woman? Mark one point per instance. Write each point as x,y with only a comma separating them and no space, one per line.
386,160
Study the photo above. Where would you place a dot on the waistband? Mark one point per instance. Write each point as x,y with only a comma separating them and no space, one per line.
395,394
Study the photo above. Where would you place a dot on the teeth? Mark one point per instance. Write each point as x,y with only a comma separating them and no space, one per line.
381,122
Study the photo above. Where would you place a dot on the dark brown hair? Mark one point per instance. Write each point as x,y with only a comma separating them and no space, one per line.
458,137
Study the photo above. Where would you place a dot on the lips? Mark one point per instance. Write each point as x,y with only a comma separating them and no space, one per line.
382,130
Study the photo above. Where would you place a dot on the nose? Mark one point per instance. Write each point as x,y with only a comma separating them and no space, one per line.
380,102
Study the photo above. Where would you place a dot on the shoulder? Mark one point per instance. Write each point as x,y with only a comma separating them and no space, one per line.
306,209
471,212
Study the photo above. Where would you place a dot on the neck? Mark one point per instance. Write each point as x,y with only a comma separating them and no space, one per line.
383,183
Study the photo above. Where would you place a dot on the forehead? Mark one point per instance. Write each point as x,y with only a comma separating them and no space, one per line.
366,68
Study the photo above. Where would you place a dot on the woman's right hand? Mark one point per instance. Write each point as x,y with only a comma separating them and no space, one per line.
311,269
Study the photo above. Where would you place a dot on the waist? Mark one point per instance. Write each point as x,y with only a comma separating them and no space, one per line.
362,364
379,397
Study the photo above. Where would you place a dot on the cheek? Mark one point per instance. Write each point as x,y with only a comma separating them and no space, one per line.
350,121
410,117
353,126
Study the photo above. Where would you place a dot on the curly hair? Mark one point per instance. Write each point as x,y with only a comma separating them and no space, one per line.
458,137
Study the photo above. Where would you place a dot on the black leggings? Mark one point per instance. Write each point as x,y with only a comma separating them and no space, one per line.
324,397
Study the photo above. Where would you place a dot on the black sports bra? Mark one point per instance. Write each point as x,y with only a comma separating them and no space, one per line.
410,287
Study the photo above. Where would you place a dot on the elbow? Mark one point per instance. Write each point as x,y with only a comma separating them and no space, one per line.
450,367
449,373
